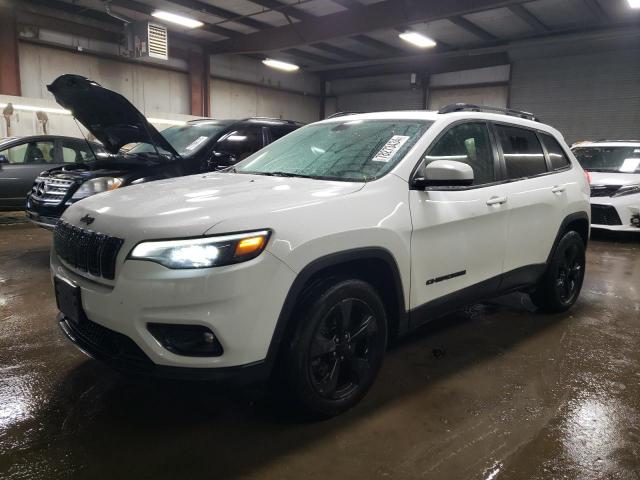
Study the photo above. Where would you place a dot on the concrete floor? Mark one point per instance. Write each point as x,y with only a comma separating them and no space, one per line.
495,392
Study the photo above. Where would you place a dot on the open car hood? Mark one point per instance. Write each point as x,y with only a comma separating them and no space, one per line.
109,116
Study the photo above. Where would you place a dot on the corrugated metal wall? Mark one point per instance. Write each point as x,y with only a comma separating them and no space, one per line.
585,97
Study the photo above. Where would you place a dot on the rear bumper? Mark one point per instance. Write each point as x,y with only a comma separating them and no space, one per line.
122,354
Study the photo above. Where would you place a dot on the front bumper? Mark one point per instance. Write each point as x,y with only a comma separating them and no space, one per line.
122,354
42,221
240,304
618,214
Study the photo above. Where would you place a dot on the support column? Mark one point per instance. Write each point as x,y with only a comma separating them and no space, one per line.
199,83
9,65
323,98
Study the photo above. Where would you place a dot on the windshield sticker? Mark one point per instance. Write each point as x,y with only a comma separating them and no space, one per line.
637,150
390,148
196,143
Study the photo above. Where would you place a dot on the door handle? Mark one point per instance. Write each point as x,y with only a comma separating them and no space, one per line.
497,200
558,189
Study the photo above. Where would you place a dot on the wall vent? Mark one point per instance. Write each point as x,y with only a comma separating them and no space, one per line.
148,40
158,44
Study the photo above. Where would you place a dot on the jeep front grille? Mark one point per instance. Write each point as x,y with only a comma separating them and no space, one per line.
50,191
87,250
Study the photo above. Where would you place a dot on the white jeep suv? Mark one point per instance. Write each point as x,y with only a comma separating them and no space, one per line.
614,169
313,253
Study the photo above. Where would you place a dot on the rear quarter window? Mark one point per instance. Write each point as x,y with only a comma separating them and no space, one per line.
523,154
557,155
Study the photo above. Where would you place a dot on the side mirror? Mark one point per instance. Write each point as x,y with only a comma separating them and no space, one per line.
219,160
445,173
3,159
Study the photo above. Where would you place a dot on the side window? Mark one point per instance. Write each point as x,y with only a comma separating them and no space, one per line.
31,153
557,156
523,155
241,142
75,152
468,143
281,131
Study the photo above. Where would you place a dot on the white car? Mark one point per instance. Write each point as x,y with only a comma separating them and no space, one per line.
309,256
614,168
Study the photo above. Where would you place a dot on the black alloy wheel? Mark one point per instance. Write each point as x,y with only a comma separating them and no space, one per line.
560,286
338,347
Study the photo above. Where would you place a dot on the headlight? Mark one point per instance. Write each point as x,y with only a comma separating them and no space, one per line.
627,190
203,252
97,185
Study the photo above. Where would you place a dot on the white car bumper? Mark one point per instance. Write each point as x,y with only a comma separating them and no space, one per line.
616,213
239,303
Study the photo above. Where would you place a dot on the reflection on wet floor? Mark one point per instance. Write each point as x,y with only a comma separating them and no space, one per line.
497,391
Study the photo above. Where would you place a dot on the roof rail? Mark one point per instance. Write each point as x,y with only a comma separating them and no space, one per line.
342,114
617,141
273,119
470,107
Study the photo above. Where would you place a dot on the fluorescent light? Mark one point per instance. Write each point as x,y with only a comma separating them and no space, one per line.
287,67
178,19
31,108
634,3
417,39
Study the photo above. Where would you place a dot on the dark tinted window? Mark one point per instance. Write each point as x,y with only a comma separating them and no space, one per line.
523,153
468,143
281,131
556,153
240,142
76,152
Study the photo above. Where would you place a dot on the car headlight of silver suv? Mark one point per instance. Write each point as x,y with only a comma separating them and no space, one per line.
203,252
97,185
627,190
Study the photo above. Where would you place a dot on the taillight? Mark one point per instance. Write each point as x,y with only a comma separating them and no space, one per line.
588,176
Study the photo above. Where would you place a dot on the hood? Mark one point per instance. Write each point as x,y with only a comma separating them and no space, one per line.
189,206
109,116
619,179
81,172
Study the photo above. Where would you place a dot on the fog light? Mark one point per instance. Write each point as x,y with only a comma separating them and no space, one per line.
188,340
635,220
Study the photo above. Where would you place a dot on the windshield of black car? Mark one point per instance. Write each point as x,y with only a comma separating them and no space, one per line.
347,150
609,159
186,139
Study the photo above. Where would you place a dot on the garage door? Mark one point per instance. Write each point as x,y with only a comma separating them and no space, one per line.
586,97
380,101
495,96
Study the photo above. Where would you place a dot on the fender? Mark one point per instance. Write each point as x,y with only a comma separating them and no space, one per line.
319,264
563,228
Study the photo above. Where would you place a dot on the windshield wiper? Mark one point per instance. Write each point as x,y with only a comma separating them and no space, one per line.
283,174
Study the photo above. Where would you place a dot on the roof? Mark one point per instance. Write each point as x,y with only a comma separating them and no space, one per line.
446,117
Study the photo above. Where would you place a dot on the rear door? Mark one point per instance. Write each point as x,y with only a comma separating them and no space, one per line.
537,199
460,233
20,165
238,144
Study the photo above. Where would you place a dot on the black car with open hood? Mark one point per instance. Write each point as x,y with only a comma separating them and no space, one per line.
185,148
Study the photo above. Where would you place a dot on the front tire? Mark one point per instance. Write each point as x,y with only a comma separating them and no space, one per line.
338,347
560,286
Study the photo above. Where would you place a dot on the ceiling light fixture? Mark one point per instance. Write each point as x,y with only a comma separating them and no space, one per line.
634,3
287,67
417,39
177,19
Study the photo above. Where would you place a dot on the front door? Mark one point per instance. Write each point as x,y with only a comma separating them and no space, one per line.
459,235
19,167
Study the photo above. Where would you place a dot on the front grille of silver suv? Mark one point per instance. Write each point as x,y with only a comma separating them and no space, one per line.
50,191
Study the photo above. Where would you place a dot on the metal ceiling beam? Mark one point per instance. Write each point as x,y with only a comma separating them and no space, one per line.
296,52
377,44
341,52
381,15
285,9
528,17
596,10
472,28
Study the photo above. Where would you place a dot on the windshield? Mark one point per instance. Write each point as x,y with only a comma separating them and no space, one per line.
350,150
609,159
185,139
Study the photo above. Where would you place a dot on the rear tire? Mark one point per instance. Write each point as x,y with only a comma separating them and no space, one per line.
337,348
560,286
